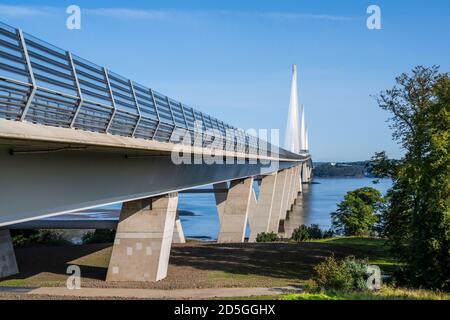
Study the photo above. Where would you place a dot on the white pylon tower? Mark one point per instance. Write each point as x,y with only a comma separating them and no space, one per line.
292,138
302,131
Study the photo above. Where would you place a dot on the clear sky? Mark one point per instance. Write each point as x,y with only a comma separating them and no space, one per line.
232,59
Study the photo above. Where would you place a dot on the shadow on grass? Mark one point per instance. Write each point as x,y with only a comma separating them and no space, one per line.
35,259
278,260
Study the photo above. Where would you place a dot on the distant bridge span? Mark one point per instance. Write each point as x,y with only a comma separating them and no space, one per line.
74,135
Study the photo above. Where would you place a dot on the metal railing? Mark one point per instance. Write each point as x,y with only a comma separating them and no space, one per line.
40,83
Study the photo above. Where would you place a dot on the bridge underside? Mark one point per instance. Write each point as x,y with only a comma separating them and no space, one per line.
44,184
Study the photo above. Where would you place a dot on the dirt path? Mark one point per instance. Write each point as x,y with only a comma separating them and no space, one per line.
124,293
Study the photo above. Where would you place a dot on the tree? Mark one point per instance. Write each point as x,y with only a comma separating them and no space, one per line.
358,213
417,218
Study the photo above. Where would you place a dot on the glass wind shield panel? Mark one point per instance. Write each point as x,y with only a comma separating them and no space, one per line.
146,128
92,82
93,117
13,98
189,115
190,119
12,61
51,109
51,67
13,67
165,114
177,114
123,124
122,93
145,101
164,132
199,118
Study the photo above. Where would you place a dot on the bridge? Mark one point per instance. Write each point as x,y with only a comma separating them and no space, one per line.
75,135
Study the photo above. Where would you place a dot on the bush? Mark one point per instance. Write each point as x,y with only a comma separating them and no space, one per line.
315,232
99,236
50,237
347,274
267,237
22,238
304,233
301,234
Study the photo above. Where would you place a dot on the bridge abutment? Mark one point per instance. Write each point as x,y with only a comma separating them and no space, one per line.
143,240
235,213
8,263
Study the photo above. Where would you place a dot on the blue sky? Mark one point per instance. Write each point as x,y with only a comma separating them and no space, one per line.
233,59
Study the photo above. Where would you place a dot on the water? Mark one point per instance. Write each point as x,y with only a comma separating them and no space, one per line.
319,200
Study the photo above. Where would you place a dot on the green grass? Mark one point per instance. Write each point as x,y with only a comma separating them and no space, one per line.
386,293
354,241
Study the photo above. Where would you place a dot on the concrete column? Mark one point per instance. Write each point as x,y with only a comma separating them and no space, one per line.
262,215
8,263
288,198
178,234
252,209
235,214
144,234
299,177
221,198
278,200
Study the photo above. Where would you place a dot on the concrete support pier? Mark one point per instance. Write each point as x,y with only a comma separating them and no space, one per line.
235,214
278,201
178,233
8,263
221,197
143,240
261,216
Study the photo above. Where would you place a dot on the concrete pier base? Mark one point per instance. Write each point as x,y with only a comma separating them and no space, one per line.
143,240
178,233
260,217
235,214
8,263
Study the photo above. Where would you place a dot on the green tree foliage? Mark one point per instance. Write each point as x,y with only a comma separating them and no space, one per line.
267,237
417,218
99,236
358,213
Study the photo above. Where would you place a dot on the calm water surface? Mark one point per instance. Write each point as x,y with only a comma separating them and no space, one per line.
319,200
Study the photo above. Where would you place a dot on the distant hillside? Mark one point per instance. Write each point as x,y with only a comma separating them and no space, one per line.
357,169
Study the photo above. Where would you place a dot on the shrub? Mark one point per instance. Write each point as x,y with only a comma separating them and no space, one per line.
22,238
315,232
99,236
304,233
50,237
267,237
301,234
358,270
347,274
328,234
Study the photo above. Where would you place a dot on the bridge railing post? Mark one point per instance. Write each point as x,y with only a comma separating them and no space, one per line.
30,71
